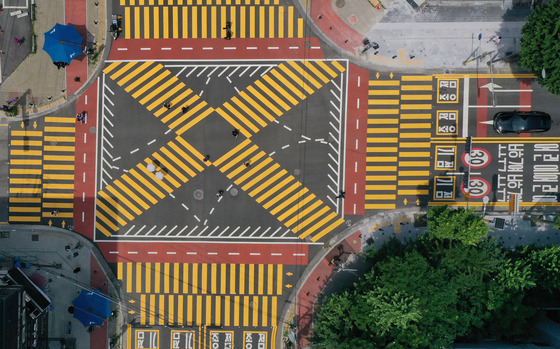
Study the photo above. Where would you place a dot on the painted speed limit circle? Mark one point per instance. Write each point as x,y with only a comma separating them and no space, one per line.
478,187
478,158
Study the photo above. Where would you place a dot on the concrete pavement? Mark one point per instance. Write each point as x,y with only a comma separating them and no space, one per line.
44,249
324,276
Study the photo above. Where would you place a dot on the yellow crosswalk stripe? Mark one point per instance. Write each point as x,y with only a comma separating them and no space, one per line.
185,278
142,309
383,111
416,78
312,218
380,196
162,184
157,277
416,125
143,78
166,95
127,21
185,18
383,130
151,83
257,106
241,157
374,121
247,110
273,190
148,274
52,129
260,286
194,20
218,317
166,164
234,123
195,278
227,311
283,92
189,310
300,27
271,22
268,182
66,120
416,88
414,182
381,168
25,200
192,161
415,116
136,22
305,75
204,281
311,66
139,189
414,163
131,194
338,66
289,201
384,92
107,70
161,313
26,143
384,83
282,194
124,200
119,208
171,307
381,187
413,192
261,175
242,118
147,22
415,135
274,97
241,278
129,277
384,102
273,311
146,183
288,84
415,106
180,310
413,173
236,306
262,22
380,206
138,277
416,97
182,165
281,21
414,154
290,21
25,209
123,70
299,81
298,207
26,152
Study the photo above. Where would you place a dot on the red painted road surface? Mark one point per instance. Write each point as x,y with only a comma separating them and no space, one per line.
75,11
84,164
317,281
482,112
525,99
196,252
219,49
98,281
334,27
356,141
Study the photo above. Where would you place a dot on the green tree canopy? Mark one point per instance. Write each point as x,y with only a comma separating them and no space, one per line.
428,294
540,45
456,224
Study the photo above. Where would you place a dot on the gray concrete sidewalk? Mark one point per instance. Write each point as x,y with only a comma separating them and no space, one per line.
44,249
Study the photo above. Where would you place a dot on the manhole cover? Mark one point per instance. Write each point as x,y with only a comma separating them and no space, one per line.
198,194
308,44
297,171
233,192
340,3
93,130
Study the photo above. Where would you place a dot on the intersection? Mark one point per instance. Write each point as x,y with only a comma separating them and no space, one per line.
208,232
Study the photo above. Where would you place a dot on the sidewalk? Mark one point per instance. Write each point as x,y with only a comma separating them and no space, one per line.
44,248
37,78
324,276
433,37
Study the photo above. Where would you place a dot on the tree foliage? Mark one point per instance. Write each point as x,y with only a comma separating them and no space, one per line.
433,291
540,45
458,224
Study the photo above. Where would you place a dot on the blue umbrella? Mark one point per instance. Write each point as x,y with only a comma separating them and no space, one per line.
91,308
63,43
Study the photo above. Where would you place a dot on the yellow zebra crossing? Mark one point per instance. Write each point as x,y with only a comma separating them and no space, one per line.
204,293
278,192
201,278
26,176
399,134
276,92
139,189
152,85
58,166
201,20
414,137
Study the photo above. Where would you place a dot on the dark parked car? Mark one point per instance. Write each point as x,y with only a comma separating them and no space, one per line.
522,122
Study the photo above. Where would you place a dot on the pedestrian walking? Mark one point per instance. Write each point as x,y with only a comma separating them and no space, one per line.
17,41
167,105
235,133
331,27
54,213
78,117
319,16
228,35
496,39
206,158
341,194
220,193
248,163
77,270
185,109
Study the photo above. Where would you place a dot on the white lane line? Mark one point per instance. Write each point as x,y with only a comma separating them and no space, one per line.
166,48
191,253
212,253
273,48
134,151
466,83
293,47
145,49
152,252
132,252
251,254
276,254
233,253
186,48
251,48
171,252
207,48
113,252
230,48
298,254
122,49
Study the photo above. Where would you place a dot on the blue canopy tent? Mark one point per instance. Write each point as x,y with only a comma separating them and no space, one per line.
91,308
63,43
